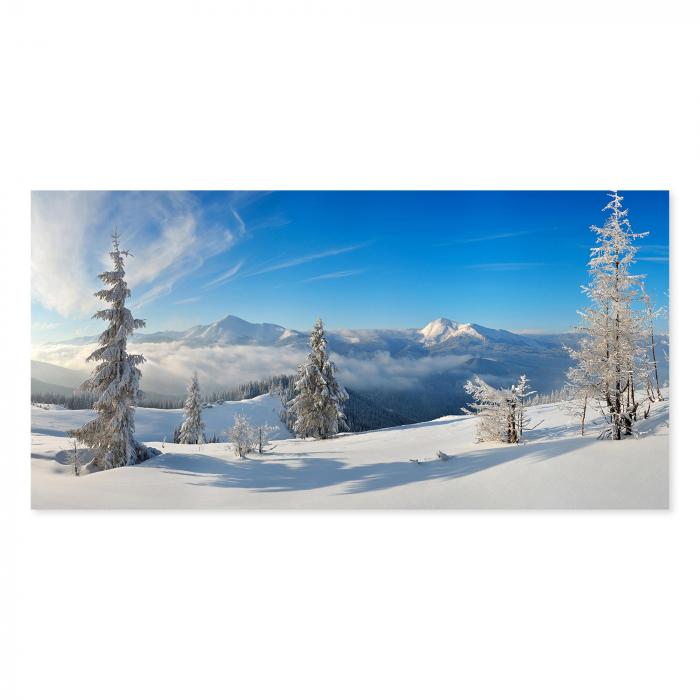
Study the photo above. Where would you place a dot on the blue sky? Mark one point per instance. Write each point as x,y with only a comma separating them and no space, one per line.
512,260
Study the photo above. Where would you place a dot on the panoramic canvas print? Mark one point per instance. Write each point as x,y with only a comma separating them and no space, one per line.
350,349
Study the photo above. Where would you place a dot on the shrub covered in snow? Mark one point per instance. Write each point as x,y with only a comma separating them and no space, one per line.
241,435
501,411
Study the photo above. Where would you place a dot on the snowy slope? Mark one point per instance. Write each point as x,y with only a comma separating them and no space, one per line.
556,468
152,424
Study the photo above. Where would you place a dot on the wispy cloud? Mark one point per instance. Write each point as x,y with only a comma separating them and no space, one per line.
653,248
229,274
239,221
168,233
495,236
60,277
159,290
334,275
189,300
45,325
504,266
653,252
479,239
301,260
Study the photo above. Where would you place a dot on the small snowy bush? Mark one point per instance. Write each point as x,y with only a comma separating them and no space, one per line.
241,435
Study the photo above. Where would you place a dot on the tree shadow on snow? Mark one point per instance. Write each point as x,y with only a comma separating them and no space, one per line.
300,472
51,432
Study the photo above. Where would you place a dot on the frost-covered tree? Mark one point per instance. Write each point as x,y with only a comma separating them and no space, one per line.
75,459
522,392
241,435
577,394
317,408
485,400
115,379
501,412
611,356
651,314
191,431
262,436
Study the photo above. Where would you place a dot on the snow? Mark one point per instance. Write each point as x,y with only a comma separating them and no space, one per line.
442,329
556,468
152,424
233,329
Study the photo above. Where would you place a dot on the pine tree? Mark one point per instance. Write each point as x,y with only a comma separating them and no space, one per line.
611,356
191,431
317,407
115,379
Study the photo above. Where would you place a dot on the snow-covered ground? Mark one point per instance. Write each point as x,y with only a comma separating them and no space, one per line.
556,468
154,424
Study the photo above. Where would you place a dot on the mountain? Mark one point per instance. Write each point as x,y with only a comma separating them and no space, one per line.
440,335
235,331
442,329
45,374
415,373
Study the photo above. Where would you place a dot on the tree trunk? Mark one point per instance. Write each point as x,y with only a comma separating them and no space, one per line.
656,368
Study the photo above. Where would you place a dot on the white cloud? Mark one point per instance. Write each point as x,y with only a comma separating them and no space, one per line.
165,231
383,370
653,248
301,260
334,275
177,240
61,278
45,325
503,266
169,365
229,274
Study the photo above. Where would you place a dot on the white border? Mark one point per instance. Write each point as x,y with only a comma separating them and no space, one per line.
347,605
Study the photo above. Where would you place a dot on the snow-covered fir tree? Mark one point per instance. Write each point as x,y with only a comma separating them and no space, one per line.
317,408
115,379
191,432
611,359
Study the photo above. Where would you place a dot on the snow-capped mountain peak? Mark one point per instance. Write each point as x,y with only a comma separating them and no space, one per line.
443,329
233,329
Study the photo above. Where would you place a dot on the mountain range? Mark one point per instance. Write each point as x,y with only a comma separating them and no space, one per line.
418,373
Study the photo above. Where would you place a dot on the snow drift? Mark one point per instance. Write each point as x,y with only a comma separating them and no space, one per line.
390,468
